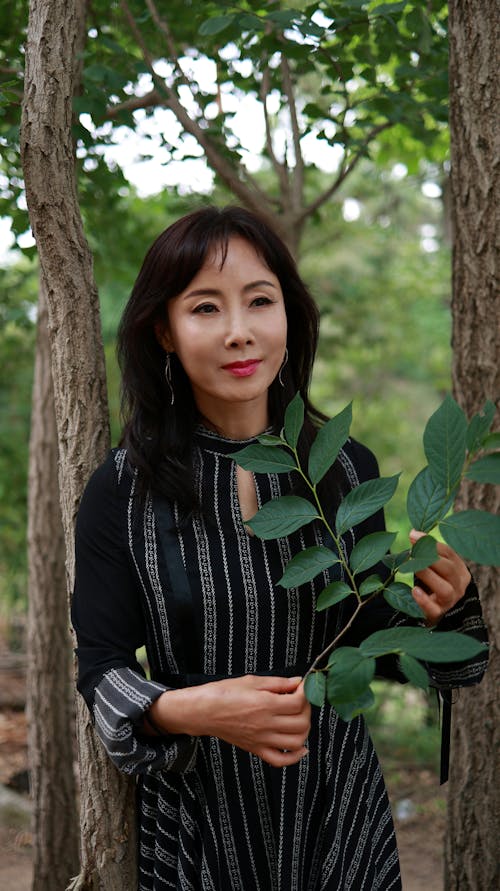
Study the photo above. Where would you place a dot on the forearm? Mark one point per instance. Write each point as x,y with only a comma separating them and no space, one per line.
181,711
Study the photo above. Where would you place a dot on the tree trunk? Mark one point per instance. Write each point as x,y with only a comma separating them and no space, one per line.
472,862
51,725
78,373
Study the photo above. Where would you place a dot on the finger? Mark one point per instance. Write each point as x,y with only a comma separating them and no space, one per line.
278,758
432,611
292,704
289,742
276,684
436,584
297,724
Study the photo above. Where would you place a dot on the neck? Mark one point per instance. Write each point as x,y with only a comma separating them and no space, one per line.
242,422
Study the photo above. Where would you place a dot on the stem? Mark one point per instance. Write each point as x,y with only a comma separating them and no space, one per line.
326,652
322,517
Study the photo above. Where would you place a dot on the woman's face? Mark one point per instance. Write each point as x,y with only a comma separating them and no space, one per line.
228,329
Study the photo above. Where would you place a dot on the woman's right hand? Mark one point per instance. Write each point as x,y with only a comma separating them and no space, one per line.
268,716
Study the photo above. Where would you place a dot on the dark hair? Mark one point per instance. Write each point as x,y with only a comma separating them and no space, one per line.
157,435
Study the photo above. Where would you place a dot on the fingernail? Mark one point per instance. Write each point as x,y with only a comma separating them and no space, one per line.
296,680
304,752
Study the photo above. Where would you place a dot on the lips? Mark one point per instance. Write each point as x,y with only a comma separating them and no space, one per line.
242,368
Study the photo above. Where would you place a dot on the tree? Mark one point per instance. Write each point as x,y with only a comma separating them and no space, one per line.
78,373
474,797
344,73
356,78
50,705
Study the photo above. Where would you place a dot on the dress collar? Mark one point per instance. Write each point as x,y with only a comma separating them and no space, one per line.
211,441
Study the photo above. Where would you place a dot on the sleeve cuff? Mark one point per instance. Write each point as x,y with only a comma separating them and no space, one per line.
121,698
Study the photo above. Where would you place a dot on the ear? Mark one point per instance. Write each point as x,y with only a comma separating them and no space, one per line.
163,337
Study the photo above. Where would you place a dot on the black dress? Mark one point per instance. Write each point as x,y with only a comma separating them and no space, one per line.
202,597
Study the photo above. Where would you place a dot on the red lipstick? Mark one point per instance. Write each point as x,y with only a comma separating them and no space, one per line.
244,368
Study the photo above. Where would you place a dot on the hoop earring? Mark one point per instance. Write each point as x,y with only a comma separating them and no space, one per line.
168,378
285,360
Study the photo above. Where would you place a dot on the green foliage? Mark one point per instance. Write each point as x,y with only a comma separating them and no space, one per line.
370,550
329,440
299,568
444,444
399,596
475,534
282,516
18,287
364,501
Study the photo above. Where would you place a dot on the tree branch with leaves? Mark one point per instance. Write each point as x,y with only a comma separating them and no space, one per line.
456,450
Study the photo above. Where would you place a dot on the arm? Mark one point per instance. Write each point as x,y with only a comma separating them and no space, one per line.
109,625
268,716
144,725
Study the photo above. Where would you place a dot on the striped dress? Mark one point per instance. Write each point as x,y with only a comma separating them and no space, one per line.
202,597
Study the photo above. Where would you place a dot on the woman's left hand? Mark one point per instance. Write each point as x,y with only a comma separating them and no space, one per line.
443,583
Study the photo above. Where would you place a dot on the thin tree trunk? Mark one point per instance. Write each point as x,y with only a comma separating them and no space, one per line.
51,725
78,373
472,861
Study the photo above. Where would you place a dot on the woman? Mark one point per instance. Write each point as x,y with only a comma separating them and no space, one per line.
241,785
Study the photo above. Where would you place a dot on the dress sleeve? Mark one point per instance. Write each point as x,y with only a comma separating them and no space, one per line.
465,616
109,625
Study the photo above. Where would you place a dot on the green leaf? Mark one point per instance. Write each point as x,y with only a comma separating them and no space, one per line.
474,534
315,688
215,25
349,710
268,439
427,501
414,671
306,565
492,441
283,17
294,418
479,426
261,459
394,561
444,443
399,596
251,22
349,674
434,646
329,440
388,8
363,501
370,584
485,469
333,593
282,516
423,554
367,552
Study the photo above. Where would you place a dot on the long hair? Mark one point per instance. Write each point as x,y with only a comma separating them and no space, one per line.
158,435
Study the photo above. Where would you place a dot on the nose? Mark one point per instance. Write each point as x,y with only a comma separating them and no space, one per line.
238,331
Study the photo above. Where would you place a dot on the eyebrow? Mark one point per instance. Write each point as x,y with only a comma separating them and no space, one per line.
215,292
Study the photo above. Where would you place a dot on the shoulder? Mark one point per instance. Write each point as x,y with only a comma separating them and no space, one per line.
111,477
358,461
109,485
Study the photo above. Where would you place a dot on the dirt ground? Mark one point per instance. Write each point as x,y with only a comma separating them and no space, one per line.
417,802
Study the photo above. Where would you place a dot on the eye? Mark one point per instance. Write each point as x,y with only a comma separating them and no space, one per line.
205,309
261,301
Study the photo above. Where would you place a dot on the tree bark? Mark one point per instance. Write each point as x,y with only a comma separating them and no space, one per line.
472,862
78,373
51,725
